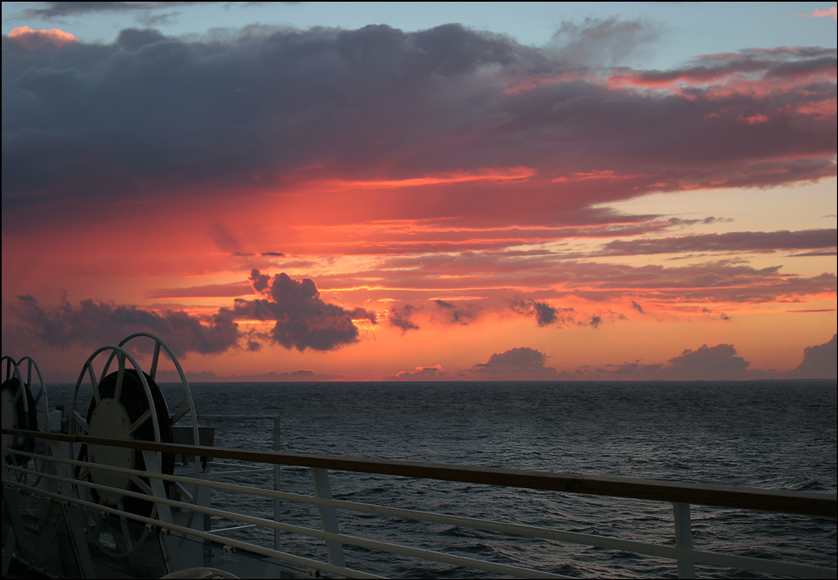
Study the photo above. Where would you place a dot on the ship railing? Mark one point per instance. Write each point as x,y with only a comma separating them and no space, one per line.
680,495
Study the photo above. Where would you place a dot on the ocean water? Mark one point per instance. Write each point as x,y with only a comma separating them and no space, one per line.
770,434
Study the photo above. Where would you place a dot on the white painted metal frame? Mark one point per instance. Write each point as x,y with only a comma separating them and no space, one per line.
83,394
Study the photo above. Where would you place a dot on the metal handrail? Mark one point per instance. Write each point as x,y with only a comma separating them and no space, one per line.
792,502
607,542
680,494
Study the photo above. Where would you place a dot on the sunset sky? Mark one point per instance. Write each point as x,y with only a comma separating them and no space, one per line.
429,191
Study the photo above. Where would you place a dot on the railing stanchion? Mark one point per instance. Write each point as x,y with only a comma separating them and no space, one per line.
277,512
684,538
328,515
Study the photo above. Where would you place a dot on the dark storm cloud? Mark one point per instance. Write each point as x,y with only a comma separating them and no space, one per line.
91,120
151,106
93,324
303,319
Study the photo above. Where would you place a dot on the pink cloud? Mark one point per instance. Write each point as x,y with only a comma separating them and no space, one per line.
753,119
751,73
821,110
555,278
32,40
831,12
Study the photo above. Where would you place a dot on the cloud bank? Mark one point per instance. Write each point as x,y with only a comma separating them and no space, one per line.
707,363
819,361
302,320
262,108
92,324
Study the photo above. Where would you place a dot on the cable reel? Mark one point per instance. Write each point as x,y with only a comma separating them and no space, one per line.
22,410
126,404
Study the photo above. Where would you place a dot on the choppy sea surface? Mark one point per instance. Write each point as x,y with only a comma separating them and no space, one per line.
769,434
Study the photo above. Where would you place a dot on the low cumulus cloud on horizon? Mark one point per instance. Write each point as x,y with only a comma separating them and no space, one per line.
706,363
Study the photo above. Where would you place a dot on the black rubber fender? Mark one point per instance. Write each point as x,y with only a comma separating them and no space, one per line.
134,401
23,419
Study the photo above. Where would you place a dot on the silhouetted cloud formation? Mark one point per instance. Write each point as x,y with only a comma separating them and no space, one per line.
92,324
819,362
303,319
452,314
728,242
434,373
707,363
719,362
543,313
402,318
515,364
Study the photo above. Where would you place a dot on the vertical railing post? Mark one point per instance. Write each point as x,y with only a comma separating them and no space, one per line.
328,515
684,538
276,483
